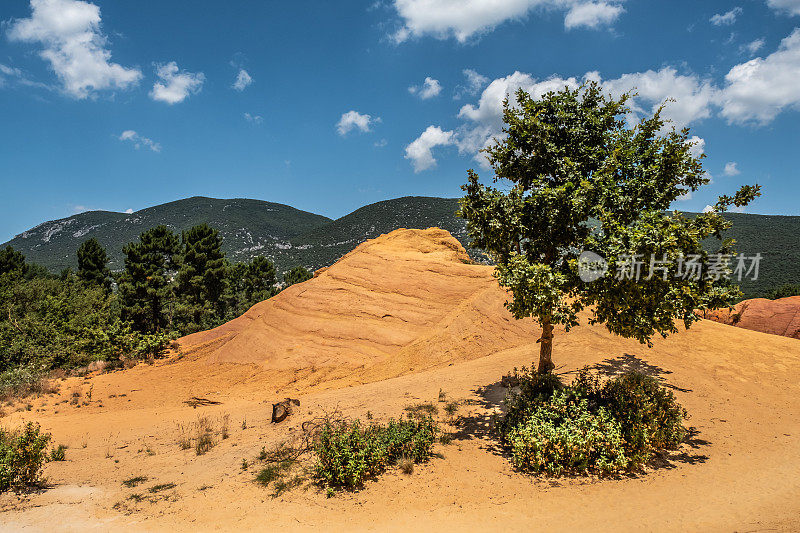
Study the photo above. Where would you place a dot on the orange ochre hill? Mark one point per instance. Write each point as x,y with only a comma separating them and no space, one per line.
402,302
402,320
778,317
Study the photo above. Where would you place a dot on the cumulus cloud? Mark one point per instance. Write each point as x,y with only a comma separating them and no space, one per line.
429,88
592,15
138,141
128,211
420,151
790,7
731,169
253,119
243,79
175,85
464,19
727,18
756,91
69,34
698,146
355,120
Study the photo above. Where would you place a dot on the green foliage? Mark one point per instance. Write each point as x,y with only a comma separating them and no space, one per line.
563,435
22,455
21,381
248,284
350,453
580,179
297,275
784,291
58,453
201,277
589,426
11,261
144,286
93,264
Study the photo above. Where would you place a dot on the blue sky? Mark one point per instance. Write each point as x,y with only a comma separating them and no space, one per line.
328,106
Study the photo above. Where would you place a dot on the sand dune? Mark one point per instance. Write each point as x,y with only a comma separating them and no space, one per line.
394,322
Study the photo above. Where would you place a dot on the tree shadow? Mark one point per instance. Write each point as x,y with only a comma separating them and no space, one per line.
480,425
630,363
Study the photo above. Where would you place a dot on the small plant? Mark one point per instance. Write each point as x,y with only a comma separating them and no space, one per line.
442,395
224,429
58,453
22,456
406,466
136,497
161,487
204,438
244,424
350,453
273,472
451,408
422,409
446,438
134,481
245,464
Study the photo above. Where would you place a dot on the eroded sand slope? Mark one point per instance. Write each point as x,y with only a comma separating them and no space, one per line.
392,324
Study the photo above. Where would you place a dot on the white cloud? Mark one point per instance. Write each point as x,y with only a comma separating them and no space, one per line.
463,19
731,169
752,47
139,141
727,18
430,88
381,143
698,146
128,211
708,208
71,40
355,120
420,151
175,85
474,83
253,119
592,15
693,96
756,91
791,7
243,79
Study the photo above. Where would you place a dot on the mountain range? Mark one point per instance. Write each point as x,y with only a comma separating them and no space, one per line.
290,237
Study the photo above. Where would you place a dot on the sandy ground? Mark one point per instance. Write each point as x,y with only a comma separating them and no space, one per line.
738,471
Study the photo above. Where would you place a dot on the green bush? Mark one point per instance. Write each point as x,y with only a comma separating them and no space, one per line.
589,426
22,455
562,435
350,453
21,381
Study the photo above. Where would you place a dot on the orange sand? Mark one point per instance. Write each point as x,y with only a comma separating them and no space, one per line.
394,322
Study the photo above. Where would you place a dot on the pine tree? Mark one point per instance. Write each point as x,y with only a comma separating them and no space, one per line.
259,280
296,275
202,274
11,261
144,286
92,264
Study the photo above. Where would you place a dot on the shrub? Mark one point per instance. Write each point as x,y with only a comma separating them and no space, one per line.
22,381
22,455
58,453
563,436
350,453
589,426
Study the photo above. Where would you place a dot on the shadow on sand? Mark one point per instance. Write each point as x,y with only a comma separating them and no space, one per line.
479,423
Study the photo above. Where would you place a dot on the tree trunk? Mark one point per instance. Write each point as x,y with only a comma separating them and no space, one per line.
546,348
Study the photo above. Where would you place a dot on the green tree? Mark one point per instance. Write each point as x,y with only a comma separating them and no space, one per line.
93,264
11,261
202,274
144,285
296,275
580,179
259,280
